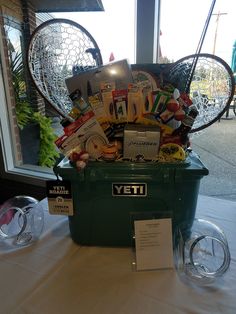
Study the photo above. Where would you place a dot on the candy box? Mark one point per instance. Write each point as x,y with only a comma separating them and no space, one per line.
140,140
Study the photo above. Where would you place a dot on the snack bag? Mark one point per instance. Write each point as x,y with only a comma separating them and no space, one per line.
100,114
161,99
146,103
135,98
120,101
106,89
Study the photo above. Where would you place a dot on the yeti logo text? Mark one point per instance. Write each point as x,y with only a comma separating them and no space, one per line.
129,189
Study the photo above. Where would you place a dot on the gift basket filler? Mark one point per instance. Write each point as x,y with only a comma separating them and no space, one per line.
126,141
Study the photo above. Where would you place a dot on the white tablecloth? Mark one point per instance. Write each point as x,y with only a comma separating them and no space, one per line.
57,276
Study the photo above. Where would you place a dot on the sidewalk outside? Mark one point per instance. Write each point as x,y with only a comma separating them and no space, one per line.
216,146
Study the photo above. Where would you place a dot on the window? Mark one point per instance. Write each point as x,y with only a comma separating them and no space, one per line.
18,143
129,33
127,29
113,29
181,30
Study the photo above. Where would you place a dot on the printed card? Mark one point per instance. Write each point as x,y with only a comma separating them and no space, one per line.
153,244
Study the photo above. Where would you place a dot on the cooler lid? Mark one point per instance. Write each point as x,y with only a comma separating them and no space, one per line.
95,170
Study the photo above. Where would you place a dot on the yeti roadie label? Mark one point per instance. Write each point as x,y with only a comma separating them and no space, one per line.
129,189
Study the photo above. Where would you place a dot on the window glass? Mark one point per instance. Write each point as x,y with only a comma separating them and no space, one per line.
182,24
30,130
16,65
113,29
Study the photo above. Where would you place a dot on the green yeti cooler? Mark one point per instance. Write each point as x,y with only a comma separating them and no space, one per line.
109,196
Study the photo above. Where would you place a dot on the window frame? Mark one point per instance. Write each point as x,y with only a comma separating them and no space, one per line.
147,41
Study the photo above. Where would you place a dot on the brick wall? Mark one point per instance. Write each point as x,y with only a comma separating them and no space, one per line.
29,24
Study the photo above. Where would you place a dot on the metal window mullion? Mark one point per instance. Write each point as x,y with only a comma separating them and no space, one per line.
147,30
156,38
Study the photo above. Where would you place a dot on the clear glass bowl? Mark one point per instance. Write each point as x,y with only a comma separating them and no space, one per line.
201,252
21,220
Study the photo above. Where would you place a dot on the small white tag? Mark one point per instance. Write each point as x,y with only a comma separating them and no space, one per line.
153,243
60,206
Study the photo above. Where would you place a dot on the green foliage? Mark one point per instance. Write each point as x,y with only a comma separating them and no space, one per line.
25,114
23,109
18,76
47,153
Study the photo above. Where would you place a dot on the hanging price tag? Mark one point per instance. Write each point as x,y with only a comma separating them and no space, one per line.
59,197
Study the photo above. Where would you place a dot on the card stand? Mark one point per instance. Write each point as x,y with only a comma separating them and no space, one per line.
142,216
